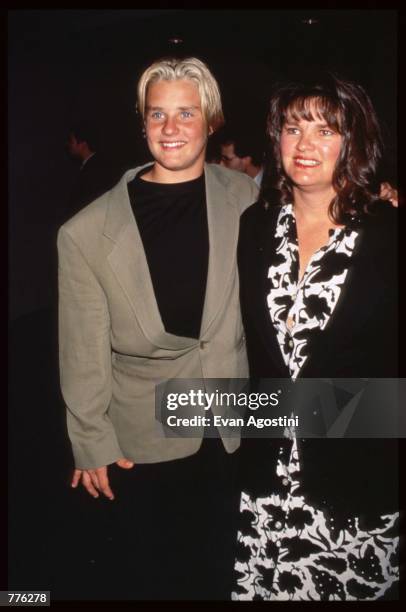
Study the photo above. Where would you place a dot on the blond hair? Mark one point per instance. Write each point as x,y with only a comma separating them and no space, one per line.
192,69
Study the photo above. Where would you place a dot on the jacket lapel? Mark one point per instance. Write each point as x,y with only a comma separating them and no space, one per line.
129,264
223,223
268,245
348,310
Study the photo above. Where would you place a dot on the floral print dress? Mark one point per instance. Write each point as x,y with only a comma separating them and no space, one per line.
289,549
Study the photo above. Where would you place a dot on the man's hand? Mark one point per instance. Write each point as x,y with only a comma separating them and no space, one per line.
389,193
97,480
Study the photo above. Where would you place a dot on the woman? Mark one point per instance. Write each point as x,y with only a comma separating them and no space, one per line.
318,292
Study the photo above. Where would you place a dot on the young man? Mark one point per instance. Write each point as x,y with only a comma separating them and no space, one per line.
148,291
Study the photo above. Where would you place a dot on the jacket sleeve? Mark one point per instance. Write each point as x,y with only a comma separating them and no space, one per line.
85,358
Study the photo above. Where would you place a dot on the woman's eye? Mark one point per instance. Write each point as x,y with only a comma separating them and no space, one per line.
156,115
326,132
186,114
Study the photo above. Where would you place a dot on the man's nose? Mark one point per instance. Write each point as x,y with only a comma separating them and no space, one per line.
170,125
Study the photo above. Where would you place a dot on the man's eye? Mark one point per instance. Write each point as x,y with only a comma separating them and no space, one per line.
186,114
292,130
157,115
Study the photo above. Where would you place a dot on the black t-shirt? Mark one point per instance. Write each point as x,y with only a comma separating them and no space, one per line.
172,221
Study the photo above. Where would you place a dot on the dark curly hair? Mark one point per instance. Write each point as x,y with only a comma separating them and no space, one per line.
346,108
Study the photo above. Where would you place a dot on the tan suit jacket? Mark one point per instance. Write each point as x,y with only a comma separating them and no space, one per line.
114,349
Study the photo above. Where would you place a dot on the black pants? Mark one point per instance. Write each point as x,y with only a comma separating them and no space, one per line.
172,528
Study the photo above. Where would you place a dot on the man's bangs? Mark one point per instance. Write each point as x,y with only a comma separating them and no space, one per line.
312,108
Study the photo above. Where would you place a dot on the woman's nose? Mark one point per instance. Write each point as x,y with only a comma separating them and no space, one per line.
305,141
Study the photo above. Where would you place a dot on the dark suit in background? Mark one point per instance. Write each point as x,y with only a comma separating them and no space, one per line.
97,175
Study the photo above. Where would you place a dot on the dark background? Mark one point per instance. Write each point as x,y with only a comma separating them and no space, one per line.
68,64
65,64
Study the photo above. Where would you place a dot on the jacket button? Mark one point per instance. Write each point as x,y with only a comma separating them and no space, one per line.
203,344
